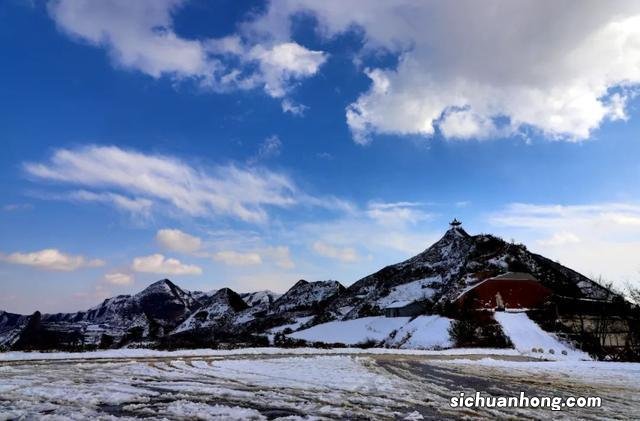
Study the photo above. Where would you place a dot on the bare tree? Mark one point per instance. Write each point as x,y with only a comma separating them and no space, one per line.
633,292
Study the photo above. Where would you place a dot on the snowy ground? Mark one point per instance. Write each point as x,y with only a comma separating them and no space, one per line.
302,384
529,339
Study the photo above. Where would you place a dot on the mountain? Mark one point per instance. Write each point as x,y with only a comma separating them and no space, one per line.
265,298
151,313
306,295
453,263
163,310
11,325
214,311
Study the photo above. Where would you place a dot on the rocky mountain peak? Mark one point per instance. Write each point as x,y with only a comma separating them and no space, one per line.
300,284
227,296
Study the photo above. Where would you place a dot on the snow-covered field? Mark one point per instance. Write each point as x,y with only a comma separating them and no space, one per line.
422,332
301,384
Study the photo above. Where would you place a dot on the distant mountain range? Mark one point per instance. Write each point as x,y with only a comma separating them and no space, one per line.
164,314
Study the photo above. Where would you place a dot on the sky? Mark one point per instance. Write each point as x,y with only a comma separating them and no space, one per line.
250,144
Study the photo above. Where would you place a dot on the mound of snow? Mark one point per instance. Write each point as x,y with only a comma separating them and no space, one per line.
409,292
423,332
526,335
352,332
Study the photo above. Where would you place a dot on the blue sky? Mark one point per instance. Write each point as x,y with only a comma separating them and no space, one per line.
248,144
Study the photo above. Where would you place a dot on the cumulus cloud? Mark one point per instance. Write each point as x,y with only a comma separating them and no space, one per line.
176,240
157,263
51,259
343,254
284,63
118,278
484,69
234,258
158,180
139,35
596,239
470,70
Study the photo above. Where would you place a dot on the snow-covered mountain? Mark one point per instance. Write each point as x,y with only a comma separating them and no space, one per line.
214,311
265,298
164,310
305,295
444,270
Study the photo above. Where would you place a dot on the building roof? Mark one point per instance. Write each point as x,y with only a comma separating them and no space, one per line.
515,276
520,276
399,304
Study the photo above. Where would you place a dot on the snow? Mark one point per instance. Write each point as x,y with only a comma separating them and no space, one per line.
293,326
399,304
423,332
130,353
326,387
197,410
299,386
327,372
598,372
526,335
409,292
352,332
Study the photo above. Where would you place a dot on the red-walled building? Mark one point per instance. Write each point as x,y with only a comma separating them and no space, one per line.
510,290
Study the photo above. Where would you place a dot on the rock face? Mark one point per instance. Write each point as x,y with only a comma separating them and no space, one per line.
11,325
164,310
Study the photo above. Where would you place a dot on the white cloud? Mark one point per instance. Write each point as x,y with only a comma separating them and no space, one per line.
343,254
288,106
464,124
384,230
157,263
484,69
399,213
559,239
51,259
136,206
14,207
163,180
139,35
118,278
234,258
284,63
176,240
595,239
281,256
269,148
471,70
